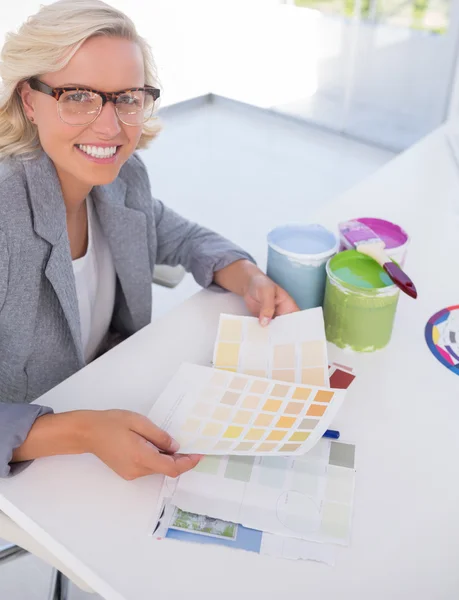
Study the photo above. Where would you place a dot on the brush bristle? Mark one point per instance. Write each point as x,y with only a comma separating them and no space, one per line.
357,233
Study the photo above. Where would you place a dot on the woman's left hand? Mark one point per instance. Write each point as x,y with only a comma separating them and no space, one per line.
266,300
263,297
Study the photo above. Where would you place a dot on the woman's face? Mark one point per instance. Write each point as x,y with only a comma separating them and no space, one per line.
103,64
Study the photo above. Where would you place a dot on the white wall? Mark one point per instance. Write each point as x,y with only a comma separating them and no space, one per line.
266,55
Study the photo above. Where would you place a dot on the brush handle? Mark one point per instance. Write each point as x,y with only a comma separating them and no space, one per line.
400,278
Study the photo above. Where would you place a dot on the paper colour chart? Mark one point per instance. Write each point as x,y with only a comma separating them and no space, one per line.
292,349
209,411
309,497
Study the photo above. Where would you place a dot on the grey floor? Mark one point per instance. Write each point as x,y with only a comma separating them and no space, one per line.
241,172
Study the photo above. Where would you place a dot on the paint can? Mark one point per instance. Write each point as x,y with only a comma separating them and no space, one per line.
360,303
396,239
297,255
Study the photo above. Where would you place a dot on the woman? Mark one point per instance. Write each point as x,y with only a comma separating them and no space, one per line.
80,233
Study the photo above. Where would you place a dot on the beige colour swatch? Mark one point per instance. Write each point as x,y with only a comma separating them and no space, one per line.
282,351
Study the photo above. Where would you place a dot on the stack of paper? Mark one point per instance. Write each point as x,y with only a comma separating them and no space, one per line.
270,484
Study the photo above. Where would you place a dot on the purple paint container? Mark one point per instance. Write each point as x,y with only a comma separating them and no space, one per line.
395,238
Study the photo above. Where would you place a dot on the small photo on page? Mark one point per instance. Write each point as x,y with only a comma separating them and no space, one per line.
202,525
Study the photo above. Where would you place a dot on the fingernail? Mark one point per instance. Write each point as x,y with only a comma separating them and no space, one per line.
197,456
174,445
264,321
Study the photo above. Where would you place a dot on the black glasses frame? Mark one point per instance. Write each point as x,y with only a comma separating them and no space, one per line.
56,93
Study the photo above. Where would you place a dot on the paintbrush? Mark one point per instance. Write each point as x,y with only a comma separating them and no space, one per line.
365,241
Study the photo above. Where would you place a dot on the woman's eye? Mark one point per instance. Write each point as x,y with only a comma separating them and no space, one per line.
79,97
130,100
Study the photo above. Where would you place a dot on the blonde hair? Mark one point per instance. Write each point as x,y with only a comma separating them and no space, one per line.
45,43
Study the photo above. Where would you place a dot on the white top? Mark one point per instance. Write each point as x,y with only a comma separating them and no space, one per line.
95,281
402,413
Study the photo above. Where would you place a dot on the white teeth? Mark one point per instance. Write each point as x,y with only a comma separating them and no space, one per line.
97,151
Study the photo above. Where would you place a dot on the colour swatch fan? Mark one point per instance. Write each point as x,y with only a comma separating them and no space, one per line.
270,394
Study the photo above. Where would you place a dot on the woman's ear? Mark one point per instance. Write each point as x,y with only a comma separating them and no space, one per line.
26,94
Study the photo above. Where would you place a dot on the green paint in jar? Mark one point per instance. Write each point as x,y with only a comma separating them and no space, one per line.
360,303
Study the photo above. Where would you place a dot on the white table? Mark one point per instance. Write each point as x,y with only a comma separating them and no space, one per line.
403,414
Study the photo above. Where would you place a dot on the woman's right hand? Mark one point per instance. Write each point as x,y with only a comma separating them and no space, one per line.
132,446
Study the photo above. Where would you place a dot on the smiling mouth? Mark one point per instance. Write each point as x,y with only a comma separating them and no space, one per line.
98,151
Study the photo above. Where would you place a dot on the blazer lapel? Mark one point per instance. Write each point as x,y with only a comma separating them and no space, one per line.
59,271
49,221
126,231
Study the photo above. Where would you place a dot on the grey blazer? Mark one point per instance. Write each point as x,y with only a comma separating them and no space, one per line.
40,339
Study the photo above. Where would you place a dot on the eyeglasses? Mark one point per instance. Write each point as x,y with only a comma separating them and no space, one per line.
81,106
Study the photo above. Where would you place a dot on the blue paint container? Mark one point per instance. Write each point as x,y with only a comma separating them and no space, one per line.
297,255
